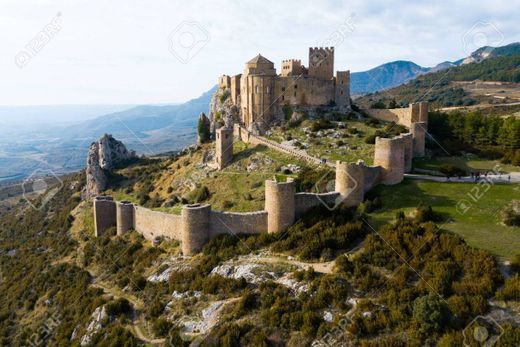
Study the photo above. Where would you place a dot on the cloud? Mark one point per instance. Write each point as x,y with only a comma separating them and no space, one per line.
117,51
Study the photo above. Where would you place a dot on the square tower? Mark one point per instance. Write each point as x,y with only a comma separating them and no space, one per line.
321,62
291,67
224,147
342,88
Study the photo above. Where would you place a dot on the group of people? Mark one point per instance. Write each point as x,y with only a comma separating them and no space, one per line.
476,176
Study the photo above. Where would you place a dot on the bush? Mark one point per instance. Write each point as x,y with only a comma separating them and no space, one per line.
450,170
223,97
511,214
198,195
161,327
321,124
430,313
119,307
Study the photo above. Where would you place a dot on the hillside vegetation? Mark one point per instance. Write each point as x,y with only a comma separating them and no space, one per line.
438,89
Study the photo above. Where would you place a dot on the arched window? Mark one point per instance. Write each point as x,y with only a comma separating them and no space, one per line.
256,89
267,90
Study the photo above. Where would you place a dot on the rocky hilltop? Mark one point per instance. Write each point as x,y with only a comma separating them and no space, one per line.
102,156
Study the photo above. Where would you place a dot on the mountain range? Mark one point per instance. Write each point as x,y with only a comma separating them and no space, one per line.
398,72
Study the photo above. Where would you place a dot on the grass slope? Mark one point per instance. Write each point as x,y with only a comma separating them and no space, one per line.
480,226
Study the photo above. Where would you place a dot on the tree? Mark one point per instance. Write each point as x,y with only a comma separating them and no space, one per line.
203,129
430,313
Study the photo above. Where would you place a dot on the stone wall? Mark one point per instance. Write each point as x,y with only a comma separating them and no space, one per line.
416,112
397,115
237,223
372,177
303,202
246,136
304,91
152,224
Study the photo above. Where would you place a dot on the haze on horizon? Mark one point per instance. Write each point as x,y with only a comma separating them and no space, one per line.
127,52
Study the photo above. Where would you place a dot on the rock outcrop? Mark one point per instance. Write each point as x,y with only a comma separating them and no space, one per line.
222,112
103,155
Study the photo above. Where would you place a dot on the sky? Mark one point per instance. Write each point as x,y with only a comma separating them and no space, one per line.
158,51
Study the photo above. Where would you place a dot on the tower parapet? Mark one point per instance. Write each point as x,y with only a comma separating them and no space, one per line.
104,214
279,204
389,154
125,217
195,221
350,182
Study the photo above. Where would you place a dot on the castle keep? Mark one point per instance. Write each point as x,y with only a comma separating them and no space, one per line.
260,93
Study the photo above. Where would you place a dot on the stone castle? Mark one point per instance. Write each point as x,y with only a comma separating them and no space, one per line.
198,223
260,94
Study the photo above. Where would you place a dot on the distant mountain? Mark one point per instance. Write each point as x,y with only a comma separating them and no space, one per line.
141,120
447,88
147,129
384,76
395,73
488,52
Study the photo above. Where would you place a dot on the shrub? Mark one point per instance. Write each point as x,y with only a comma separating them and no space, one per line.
119,307
161,327
198,195
430,313
450,170
511,214
223,97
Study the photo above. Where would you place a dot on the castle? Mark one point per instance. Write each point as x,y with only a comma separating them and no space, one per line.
260,94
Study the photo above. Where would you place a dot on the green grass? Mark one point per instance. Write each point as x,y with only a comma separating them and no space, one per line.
468,163
358,149
480,225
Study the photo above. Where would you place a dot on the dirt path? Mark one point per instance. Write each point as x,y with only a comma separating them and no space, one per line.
321,267
136,329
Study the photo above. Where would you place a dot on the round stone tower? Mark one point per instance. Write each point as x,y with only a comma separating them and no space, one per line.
125,217
195,227
350,182
389,155
279,204
418,131
104,214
